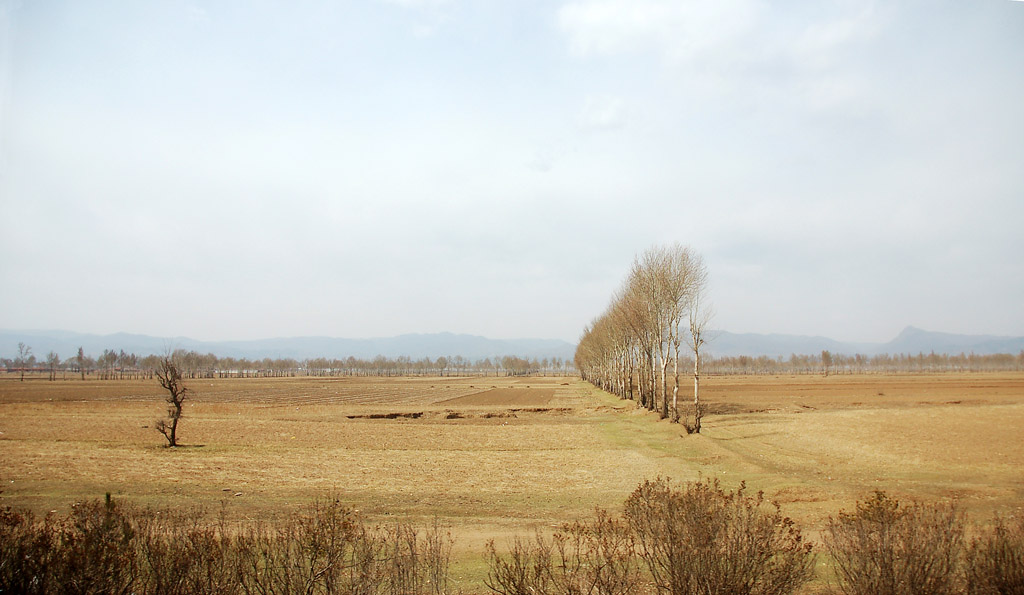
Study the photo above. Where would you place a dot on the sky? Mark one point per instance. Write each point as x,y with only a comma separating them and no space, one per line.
238,170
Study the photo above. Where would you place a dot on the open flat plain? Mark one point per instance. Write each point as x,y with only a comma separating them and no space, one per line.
494,457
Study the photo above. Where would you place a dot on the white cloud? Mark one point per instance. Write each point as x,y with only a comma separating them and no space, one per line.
603,113
420,4
736,48
543,160
678,30
198,14
818,44
430,15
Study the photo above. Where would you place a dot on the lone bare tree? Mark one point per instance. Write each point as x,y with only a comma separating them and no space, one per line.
24,359
170,379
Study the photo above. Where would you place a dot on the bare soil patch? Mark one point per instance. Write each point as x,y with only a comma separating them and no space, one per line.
505,397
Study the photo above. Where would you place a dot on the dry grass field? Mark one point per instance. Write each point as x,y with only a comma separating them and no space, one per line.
494,457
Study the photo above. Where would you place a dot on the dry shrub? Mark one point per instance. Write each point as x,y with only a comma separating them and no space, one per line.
582,558
702,539
180,553
695,539
596,557
414,564
437,543
995,560
95,550
325,548
27,550
884,548
525,570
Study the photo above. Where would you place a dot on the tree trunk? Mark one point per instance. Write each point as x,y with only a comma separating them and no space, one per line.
173,438
675,389
697,413
664,385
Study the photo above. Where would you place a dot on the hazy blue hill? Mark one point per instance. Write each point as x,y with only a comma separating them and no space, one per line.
66,343
915,340
724,343
416,346
911,340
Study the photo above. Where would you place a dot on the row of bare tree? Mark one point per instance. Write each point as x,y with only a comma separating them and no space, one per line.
26,361
660,307
112,365
828,363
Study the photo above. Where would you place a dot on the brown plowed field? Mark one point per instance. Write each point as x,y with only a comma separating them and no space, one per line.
505,397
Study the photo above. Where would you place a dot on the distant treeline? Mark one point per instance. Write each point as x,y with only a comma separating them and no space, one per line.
835,363
114,365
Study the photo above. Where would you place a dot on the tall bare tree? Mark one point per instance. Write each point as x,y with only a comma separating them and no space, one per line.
80,358
170,379
681,277
700,316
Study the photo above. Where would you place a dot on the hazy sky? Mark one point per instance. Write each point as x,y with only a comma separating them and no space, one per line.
237,169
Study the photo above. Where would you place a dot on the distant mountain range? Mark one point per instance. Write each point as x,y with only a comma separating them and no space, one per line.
722,343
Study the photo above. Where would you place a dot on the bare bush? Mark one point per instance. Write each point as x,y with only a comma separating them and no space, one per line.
324,549
582,558
995,560
884,548
413,564
439,552
27,552
525,570
180,553
90,551
596,557
703,539
96,551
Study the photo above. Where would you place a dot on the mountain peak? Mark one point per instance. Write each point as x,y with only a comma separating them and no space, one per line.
911,331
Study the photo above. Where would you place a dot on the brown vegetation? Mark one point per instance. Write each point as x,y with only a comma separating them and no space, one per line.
995,559
884,548
702,539
324,548
689,539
